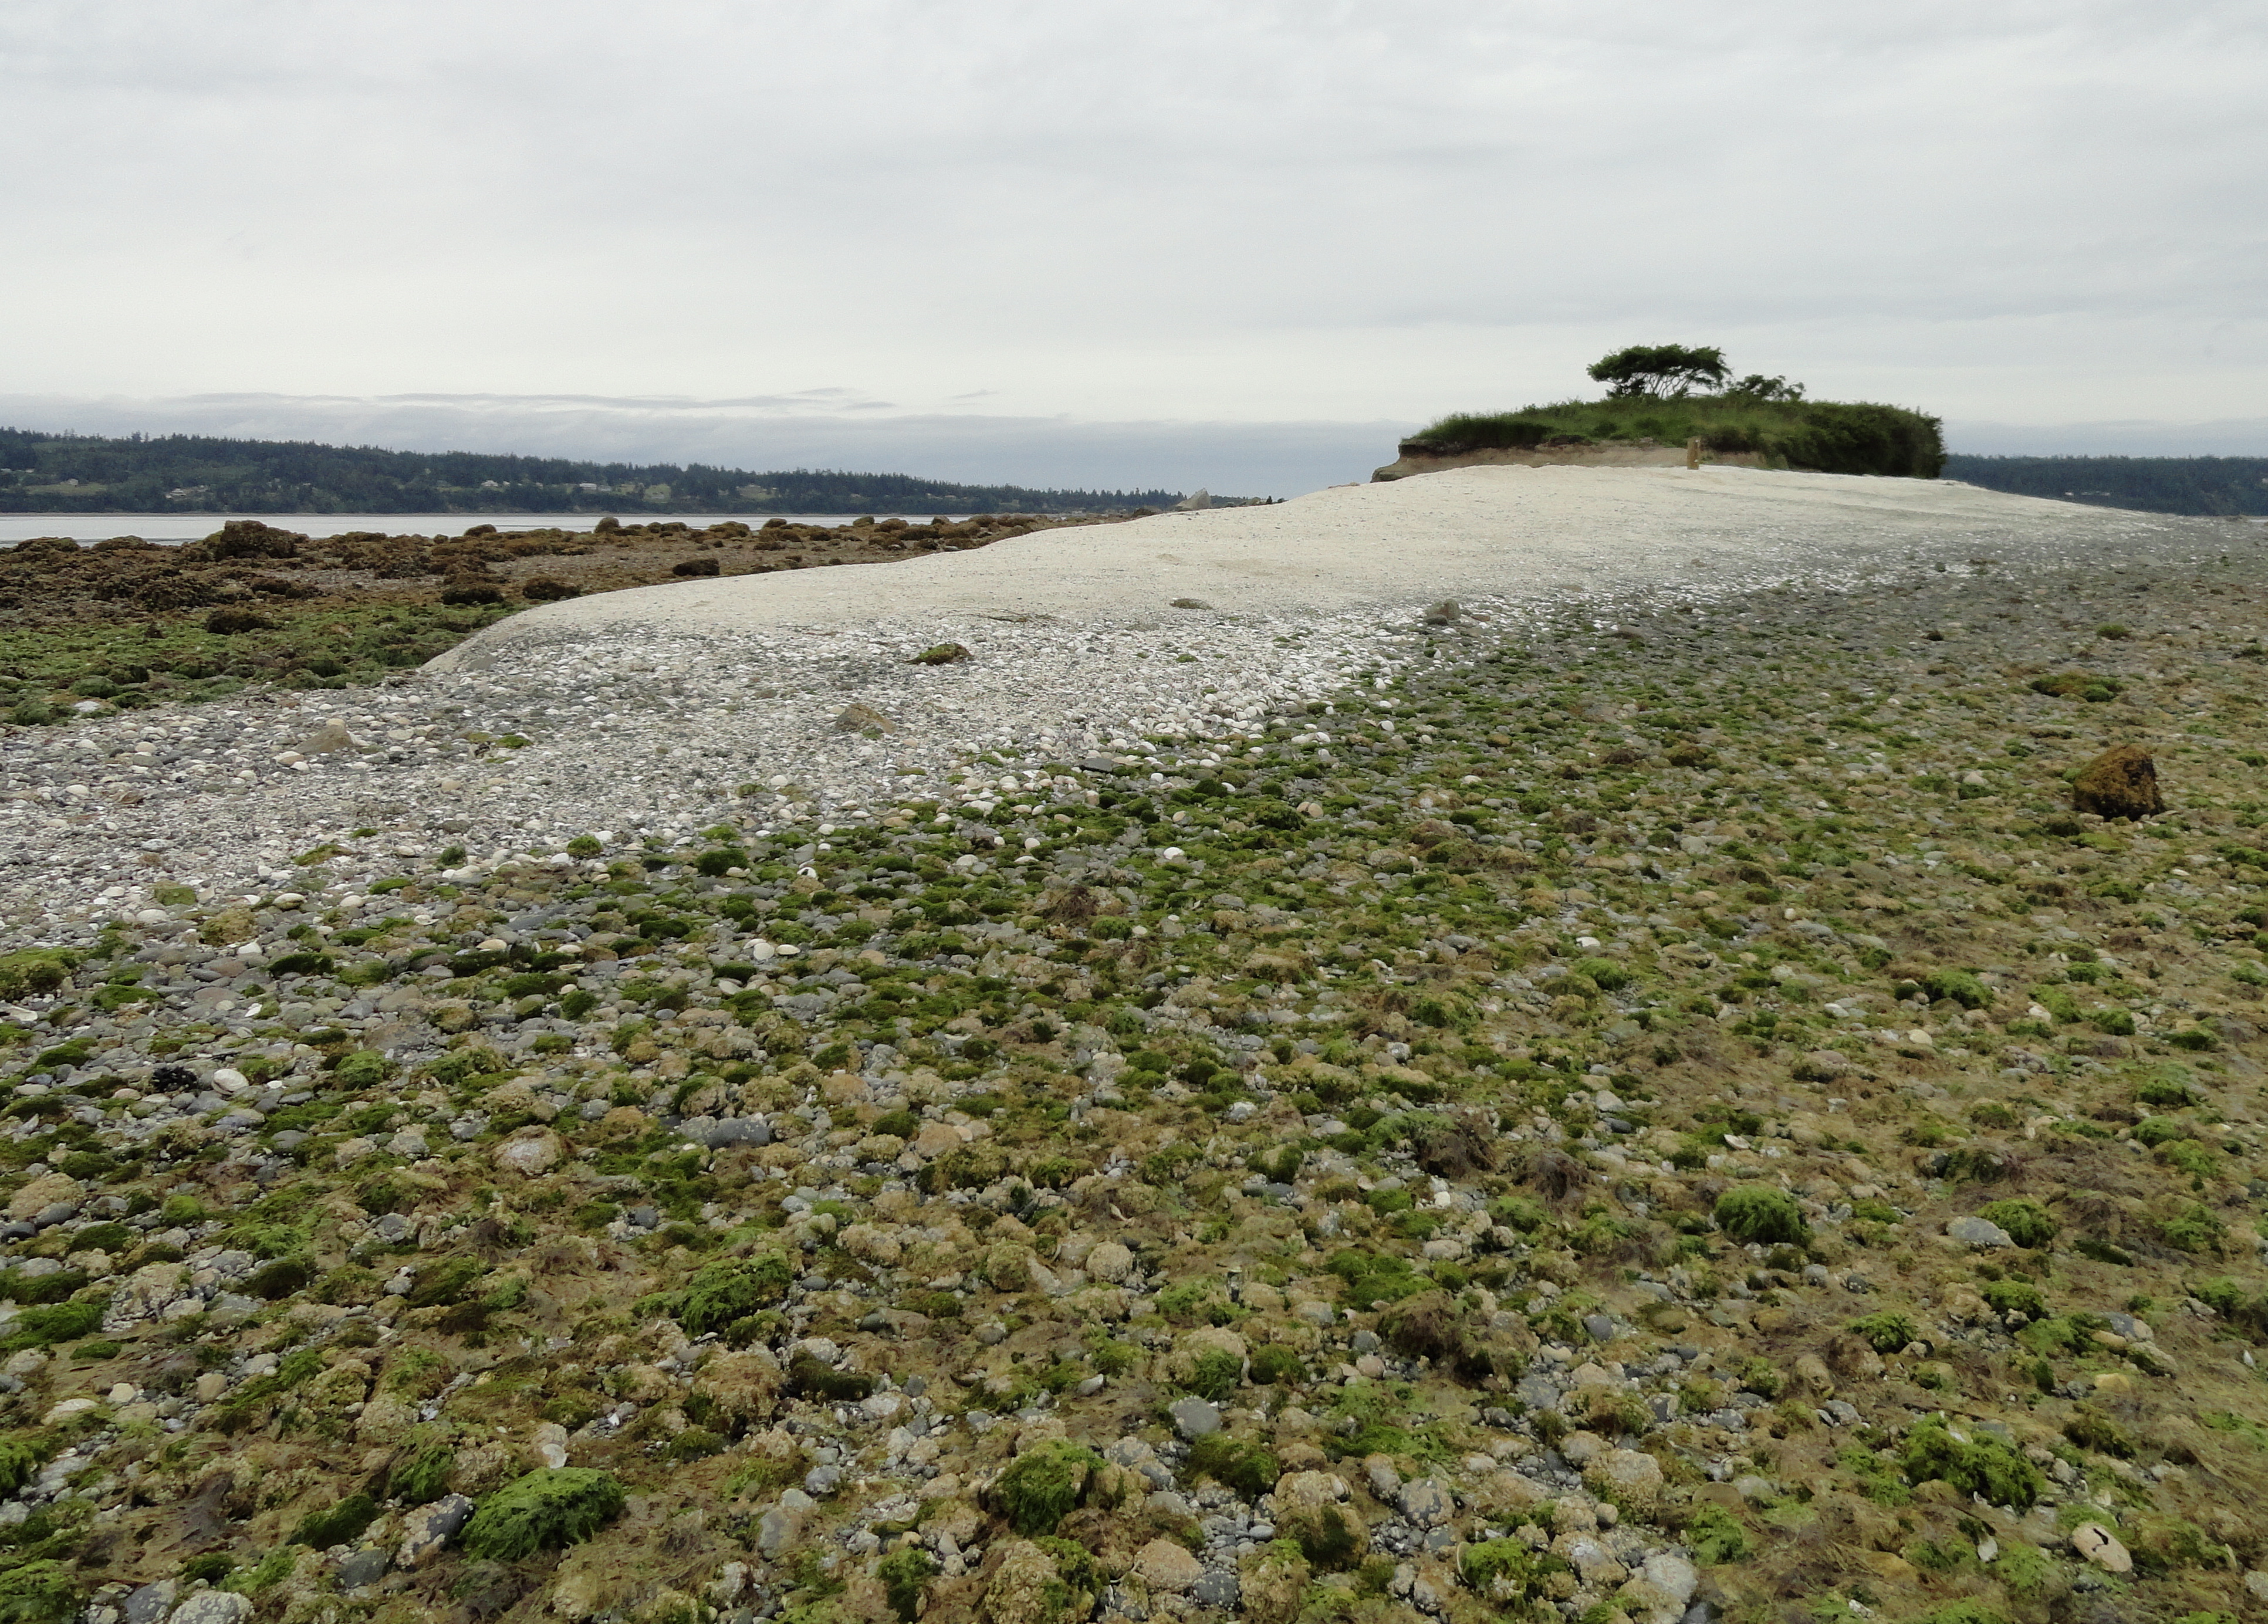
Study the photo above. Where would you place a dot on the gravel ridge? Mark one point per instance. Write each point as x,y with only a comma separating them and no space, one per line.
659,711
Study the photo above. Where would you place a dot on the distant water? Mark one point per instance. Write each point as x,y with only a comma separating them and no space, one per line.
175,528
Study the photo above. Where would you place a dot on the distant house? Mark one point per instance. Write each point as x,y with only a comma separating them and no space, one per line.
491,484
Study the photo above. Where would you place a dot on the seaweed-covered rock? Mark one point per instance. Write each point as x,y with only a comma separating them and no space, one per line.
548,1508
741,1388
2121,783
1044,1484
1027,1587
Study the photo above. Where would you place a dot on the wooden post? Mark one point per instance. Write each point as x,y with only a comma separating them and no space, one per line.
1693,453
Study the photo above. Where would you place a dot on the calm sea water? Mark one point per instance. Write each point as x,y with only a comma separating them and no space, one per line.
174,528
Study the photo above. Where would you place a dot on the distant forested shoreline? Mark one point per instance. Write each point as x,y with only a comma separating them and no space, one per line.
2200,485
45,472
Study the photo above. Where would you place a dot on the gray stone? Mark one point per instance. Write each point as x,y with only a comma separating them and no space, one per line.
730,1130
1975,1232
1599,1327
213,1607
1426,1502
776,1531
821,1481
1537,1393
428,1529
1194,1418
1163,1565
151,1603
1677,1577
366,1565
1218,1588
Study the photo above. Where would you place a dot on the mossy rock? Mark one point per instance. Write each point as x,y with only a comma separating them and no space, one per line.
1977,1465
2027,1222
2121,783
1960,985
548,1507
1329,1537
1756,1213
731,1289
34,970
40,1591
1044,1485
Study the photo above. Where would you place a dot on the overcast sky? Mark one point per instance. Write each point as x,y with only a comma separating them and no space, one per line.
1162,243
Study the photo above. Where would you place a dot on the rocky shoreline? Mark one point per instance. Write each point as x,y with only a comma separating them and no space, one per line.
1604,1112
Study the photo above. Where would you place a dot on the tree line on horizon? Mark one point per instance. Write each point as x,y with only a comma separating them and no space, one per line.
48,473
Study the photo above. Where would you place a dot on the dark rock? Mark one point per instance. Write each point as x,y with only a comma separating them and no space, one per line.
366,1565
729,1130
428,1529
151,1603
1217,1588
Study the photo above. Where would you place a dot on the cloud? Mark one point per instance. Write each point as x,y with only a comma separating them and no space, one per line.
1137,210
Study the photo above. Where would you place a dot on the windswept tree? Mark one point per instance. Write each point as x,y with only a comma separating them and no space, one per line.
1664,371
1757,387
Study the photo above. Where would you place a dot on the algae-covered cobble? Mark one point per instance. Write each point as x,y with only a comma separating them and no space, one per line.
1661,1112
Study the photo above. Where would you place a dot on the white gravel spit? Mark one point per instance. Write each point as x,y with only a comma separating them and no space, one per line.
661,711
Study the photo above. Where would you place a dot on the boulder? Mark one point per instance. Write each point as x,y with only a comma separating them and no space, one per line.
1632,1481
1426,1502
2121,783
146,1294
1027,1588
1980,1233
730,1131
1110,1263
1164,1565
428,1529
150,1604
213,1607
1193,1417
935,1139
2096,1543
531,1152
48,1190
1274,1584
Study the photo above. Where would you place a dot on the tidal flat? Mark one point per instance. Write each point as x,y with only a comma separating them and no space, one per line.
1598,1112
